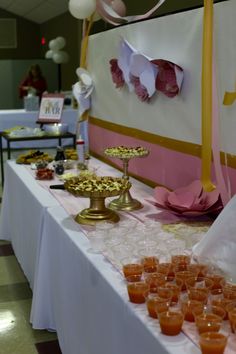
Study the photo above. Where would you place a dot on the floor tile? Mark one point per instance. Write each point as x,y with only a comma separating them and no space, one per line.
51,347
16,333
6,250
10,271
14,292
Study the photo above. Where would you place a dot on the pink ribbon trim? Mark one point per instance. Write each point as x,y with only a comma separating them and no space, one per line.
109,15
225,195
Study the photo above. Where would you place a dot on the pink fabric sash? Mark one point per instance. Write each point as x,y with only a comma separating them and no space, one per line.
221,185
111,16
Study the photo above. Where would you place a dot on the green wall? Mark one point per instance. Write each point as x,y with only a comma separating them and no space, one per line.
139,7
70,28
29,42
28,39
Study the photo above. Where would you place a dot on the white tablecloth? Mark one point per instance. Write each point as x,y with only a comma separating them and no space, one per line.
83,297
22,213
75,292
12,118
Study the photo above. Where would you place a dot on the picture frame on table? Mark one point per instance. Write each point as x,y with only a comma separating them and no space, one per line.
51,108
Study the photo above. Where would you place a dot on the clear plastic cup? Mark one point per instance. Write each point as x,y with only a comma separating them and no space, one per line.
191,308
208,322
212,343
171,322
137,291
97,241
156,304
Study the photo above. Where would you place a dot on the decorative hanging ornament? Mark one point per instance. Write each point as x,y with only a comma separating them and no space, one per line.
144,75
82,90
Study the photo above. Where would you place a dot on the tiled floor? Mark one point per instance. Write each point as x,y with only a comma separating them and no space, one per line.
16,333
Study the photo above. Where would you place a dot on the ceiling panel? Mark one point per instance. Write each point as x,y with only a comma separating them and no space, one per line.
5,3
37,11
20,10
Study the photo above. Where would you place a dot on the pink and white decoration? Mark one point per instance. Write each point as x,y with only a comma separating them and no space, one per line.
112,11
188,201
143,75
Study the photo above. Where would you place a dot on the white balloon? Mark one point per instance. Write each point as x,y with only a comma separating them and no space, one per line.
49,54
61,42
60,57
57,57
82,9
64,56
53,44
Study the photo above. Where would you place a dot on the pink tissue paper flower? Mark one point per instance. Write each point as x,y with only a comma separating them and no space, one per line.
166,80
191,200
139,89
116,73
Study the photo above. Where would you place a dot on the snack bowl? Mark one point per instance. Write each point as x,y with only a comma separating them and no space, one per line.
68,164
41,164
33,156
125,152
44,174
97,189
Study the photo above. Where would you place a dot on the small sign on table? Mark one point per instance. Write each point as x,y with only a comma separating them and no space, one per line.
51,108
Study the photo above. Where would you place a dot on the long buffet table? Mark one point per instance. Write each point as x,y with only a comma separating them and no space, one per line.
76,292
21,117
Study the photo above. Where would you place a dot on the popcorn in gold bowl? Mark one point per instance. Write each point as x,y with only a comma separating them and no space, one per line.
97,189
95,186
126,152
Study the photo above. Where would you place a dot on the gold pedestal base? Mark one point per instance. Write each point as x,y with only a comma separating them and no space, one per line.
96,213
125,202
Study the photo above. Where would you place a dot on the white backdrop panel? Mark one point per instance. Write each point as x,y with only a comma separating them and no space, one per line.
177,38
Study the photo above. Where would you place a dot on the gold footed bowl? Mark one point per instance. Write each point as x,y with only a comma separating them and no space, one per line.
96,212
126,202
97,189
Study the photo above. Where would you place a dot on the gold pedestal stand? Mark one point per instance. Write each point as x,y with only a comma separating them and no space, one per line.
96,212
125,201
97,189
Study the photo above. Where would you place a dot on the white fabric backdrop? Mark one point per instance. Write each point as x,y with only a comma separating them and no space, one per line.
176,38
